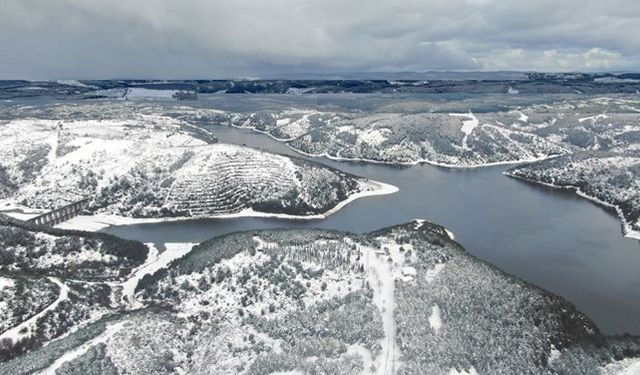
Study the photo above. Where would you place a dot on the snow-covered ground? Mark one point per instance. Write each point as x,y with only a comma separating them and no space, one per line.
431,274
450,234
5,282
468,126
20,212
109,331
382,269
239,310
369,188
594,118
435,319
408,139
624,367
155,261
454,163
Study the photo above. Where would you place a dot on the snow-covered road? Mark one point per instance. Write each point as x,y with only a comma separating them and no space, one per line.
26,328
381,275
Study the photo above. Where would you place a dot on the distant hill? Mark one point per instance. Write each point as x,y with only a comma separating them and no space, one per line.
376,82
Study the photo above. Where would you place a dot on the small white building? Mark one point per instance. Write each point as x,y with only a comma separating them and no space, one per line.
409,272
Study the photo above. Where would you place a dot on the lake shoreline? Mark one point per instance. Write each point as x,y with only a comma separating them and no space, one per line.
98,222
286,141
627,231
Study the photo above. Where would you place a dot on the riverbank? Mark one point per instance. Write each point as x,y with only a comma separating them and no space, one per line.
627,231
94,223
420,161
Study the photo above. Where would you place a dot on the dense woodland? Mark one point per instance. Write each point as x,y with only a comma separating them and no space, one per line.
274,301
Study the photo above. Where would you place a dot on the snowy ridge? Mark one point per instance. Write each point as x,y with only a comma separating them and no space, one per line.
378,138
451,139
445,138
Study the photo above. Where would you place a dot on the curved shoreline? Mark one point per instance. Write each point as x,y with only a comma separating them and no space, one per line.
422,161
94,223
626,227
392,163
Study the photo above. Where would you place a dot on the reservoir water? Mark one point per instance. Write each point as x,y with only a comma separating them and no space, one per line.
551,238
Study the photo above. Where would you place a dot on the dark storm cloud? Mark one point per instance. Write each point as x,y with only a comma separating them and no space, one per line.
213,38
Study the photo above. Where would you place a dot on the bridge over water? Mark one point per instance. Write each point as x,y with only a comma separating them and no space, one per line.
62,214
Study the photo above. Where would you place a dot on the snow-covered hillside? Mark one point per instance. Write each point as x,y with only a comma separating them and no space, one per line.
402,300
154,166
445,133
451,139
52,281
516,134
41,251
435,134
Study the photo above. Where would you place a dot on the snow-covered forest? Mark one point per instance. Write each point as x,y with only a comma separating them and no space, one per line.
158,167
402,300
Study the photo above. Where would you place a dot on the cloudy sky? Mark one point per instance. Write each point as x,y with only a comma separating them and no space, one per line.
63,39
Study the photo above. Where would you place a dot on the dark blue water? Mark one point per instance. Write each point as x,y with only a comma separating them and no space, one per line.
552,238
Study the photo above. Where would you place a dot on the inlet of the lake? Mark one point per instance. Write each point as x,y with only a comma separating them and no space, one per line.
551,238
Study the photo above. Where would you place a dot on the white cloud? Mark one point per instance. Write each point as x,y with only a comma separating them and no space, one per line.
216,38
552,60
